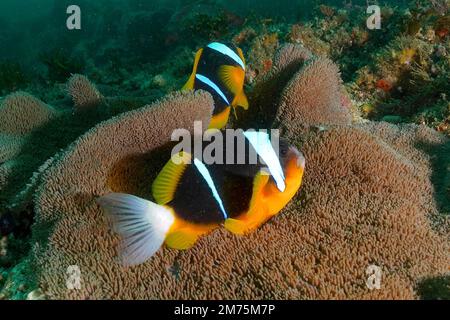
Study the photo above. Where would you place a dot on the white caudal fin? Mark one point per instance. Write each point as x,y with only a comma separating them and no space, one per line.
142,224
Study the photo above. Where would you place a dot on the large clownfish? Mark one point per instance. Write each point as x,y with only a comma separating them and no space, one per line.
220,70
193,198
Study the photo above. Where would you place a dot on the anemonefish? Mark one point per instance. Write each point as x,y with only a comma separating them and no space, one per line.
193,198
220,70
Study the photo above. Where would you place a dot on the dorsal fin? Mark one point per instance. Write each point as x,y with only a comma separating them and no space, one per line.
165,184
190,83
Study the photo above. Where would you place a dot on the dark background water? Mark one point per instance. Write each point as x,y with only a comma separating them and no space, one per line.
29,26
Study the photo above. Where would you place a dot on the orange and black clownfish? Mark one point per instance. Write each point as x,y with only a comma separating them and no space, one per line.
193,198
220,70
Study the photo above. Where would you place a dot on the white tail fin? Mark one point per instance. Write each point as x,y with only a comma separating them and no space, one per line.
142,224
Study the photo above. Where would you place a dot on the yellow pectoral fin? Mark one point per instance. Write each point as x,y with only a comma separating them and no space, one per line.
241,100
245,223
232,77
165,184
190,83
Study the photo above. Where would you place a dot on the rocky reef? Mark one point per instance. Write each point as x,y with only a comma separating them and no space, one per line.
376,189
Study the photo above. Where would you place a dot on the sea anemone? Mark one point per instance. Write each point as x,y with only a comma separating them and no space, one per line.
313,97
83,92
20,113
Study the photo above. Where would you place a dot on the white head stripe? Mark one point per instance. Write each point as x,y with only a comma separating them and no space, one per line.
220,47
208,82
261,143
205,173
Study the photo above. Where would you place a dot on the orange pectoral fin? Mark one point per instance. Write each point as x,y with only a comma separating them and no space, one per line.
256,215
183,234
232,77
247,222
190,83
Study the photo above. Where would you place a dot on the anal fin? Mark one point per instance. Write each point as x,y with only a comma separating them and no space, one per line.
241,100
181,239
236,226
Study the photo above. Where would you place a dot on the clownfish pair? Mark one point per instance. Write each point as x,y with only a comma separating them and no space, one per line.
192,198
220,70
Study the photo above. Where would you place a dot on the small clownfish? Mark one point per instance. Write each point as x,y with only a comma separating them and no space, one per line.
193,198
220,70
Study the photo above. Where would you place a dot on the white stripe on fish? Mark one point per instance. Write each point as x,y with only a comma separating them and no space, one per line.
220,47
211,84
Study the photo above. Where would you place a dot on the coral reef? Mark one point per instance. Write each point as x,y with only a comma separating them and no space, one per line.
266,93
60,64
10,146
32,133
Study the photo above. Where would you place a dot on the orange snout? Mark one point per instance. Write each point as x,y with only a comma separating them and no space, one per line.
294,169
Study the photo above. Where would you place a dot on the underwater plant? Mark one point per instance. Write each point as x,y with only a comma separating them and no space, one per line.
12,77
